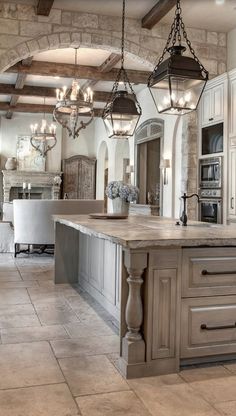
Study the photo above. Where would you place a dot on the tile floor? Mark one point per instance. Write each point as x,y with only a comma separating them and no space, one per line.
58,352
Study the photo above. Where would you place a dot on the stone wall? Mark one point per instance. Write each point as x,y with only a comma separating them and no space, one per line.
23,33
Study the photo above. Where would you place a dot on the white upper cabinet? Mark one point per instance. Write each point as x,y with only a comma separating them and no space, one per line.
232,105
212,105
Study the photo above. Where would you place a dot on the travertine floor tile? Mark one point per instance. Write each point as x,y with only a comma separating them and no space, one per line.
171,400
18,285
9,276
204,373
90,329
24,309
13,296
86,346
40,275
91,375
123,403
54,400
45,293
14,321
33,333
216,390
28,364
226,408
51,314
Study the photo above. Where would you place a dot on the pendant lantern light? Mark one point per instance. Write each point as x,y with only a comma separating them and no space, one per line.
177,83
122,111
72,103
42,135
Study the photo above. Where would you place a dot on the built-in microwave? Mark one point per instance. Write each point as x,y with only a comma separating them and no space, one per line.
210,172
212,139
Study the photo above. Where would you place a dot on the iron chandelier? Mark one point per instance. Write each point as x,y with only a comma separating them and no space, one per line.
73,103
41,135
122,110
176,84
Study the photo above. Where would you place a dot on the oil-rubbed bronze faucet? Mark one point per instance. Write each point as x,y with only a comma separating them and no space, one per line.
184,217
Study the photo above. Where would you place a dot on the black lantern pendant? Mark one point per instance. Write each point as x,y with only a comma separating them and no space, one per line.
176,84
122,110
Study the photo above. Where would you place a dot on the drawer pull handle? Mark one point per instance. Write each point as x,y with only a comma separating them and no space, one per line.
206,273
213,328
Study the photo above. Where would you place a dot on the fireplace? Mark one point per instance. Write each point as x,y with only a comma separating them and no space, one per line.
43,184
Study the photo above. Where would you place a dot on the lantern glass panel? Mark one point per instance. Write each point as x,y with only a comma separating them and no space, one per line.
177,95
121,125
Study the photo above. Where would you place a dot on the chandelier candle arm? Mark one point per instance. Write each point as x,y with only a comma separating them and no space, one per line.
73,103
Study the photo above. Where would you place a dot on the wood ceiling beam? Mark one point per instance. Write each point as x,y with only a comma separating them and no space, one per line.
20,81
83,72
34,91
44,7
36,108
106,66
157,13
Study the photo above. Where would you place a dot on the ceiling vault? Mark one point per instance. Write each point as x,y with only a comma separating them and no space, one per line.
44,7
157,13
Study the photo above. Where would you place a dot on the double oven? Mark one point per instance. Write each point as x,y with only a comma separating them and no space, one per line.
210,192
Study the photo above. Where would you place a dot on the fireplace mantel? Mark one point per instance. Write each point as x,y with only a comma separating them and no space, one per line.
15,178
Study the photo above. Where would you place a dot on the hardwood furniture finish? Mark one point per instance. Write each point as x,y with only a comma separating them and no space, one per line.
79,177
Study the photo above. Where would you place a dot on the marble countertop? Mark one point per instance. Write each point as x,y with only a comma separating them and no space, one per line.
148,231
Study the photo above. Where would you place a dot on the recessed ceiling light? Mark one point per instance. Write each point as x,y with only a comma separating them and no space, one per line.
220,2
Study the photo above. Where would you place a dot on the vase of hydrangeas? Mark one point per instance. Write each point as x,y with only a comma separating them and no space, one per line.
121,195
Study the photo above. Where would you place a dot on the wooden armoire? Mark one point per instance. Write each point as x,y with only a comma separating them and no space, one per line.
79,177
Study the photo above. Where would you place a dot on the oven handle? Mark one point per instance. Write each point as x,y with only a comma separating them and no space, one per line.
232,202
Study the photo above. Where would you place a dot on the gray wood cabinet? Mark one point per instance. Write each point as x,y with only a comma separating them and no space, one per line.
79,177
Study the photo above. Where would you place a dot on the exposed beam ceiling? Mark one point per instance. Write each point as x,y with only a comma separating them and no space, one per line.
36,108
20,81
106,66
157,13
34,91
83,72
44,7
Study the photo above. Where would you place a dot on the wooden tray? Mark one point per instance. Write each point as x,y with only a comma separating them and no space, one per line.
108,216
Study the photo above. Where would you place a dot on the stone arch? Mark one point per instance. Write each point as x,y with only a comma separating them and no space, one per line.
73,39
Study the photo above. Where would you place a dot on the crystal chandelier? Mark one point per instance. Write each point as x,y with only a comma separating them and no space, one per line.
71,104
176,84
42,135
122,110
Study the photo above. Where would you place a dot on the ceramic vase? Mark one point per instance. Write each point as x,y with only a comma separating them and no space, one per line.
10,163
120,206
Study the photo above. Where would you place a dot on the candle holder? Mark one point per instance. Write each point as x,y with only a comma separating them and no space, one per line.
24,194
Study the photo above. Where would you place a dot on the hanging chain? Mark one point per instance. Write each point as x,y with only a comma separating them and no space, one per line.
122,74
175,36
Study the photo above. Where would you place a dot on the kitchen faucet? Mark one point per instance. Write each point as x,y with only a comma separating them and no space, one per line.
184,217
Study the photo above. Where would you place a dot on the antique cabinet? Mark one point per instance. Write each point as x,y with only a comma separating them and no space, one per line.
79,177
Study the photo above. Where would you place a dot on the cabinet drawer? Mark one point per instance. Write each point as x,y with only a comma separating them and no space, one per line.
208,326
208,272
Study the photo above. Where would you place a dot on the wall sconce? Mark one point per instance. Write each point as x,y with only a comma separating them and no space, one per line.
129,169
165,164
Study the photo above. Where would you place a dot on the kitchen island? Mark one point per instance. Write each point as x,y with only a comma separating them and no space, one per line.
172,288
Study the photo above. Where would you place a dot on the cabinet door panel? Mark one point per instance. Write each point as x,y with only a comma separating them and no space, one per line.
108,279
95,249
206,107
217,99
232,108
164,313
232,181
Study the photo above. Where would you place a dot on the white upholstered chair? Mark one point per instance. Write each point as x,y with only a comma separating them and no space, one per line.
33,223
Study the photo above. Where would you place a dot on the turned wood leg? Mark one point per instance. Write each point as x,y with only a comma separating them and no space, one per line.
134,307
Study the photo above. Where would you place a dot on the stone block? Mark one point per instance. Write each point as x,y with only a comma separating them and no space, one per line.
212,38
134,49
218,52
33,46
211,66
83,20
43,43
9,41
152,43
54,17
133,26
198,35
76,38
23,50
160,31
35,28
66,18
26,12
222,39
8,11
4,62
61,28
110,23
9,26
65,40
54,40
86,39
96,39
222,68
13,57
